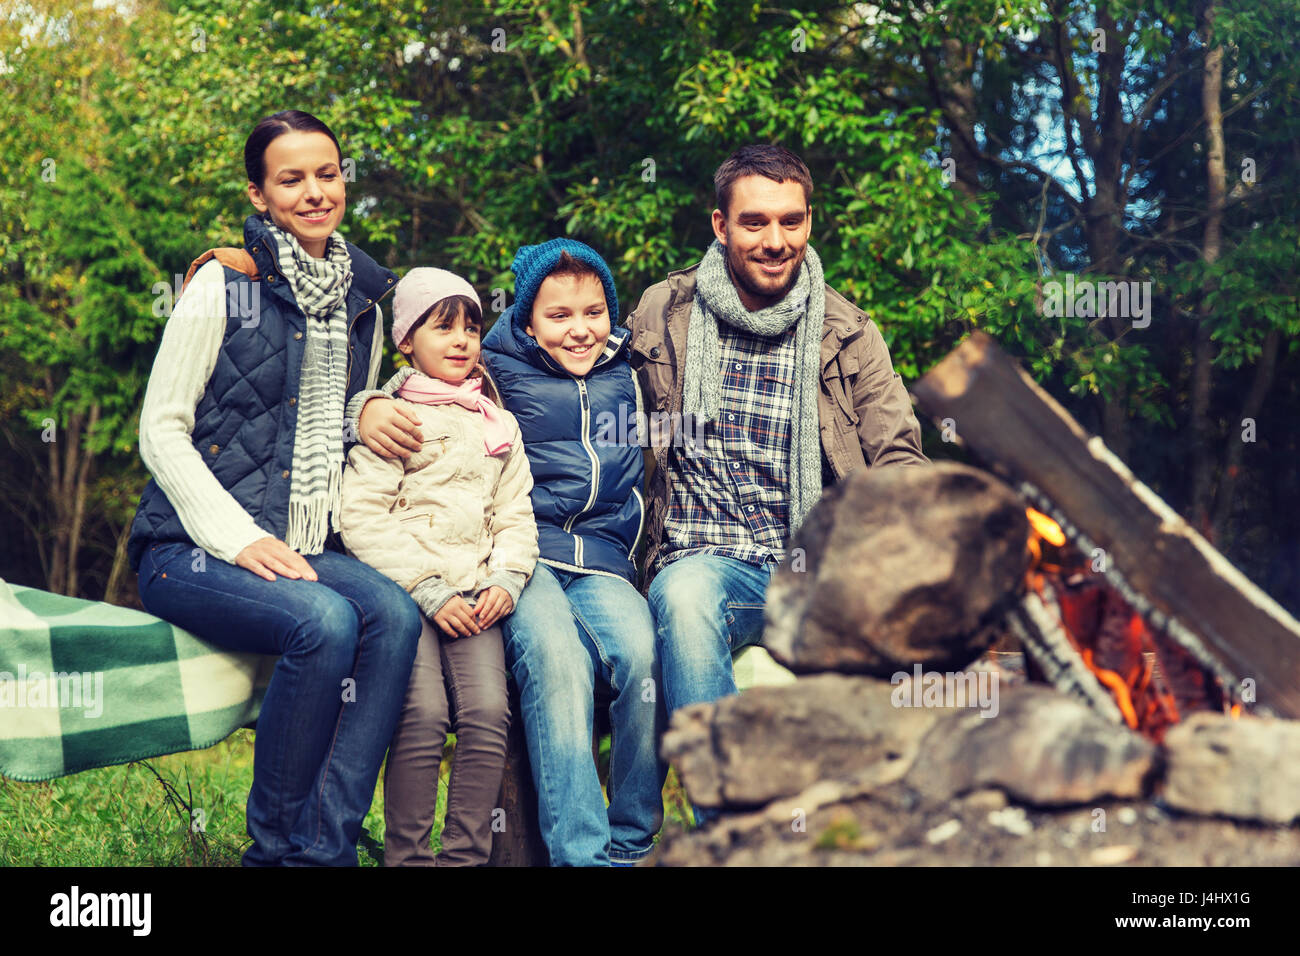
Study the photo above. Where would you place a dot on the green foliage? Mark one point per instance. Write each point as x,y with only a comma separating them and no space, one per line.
472,128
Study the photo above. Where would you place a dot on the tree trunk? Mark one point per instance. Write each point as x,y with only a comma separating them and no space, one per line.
958,92
1203,370
120,570
80,489
1101,141
1265,368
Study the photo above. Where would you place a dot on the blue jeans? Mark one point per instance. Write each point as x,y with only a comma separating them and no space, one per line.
569,634
705,607
346,643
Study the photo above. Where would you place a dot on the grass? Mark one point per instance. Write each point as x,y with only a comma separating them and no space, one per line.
185,809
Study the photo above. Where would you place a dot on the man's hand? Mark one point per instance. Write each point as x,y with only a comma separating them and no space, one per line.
493,604
456,618
269,556
388,430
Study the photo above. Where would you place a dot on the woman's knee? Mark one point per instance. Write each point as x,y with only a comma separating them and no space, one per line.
395,615
328,625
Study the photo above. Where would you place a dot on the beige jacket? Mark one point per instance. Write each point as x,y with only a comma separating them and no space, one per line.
450,519
863,408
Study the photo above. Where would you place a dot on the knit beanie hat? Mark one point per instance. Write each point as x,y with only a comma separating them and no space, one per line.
419,291
534,263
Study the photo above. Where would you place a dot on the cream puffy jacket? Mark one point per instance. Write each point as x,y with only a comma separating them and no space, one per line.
450,519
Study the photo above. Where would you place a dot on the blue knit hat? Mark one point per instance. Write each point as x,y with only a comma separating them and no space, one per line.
534,263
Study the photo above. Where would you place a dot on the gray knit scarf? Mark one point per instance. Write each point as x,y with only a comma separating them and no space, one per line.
716,299
315,483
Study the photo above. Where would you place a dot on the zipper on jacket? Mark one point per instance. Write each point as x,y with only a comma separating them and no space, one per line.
373,305
640,525
595,468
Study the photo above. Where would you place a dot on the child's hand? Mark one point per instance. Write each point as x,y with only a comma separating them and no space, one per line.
493,605
456,618
388,430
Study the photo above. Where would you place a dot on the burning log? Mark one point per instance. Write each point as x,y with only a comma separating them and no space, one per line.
1185,590
1037,622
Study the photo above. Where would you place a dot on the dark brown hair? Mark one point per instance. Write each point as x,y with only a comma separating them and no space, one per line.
452,307
775,162
275,125
569,266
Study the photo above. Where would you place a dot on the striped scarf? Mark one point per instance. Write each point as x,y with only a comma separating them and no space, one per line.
315,485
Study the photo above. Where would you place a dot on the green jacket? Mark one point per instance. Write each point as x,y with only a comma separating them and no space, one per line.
864,409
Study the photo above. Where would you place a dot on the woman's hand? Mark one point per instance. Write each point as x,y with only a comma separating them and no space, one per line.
493,605
388,430
269,556
456,618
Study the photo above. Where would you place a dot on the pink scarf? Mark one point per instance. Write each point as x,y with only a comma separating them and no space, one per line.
469,394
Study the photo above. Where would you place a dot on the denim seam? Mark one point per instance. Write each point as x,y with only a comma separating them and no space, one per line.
600,648
540,775
632,858
609,675
329,754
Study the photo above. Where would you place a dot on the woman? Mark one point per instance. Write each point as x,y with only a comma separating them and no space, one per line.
243,430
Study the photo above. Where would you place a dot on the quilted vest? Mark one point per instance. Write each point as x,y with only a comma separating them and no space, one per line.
581,439
245,422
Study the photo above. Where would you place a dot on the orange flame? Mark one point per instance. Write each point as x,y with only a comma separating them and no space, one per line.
1144,702
1046,528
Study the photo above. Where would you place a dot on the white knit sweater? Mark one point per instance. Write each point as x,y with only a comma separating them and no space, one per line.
190,345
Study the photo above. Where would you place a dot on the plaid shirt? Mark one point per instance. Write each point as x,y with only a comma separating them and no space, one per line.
731,499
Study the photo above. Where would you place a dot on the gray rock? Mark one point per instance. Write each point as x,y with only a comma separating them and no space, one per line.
1247,769
771,742
897,566
1043,748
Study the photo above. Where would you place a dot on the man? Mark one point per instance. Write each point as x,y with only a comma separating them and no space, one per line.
795,388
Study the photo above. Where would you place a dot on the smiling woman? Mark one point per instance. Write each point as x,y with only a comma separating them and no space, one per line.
243,430
295,178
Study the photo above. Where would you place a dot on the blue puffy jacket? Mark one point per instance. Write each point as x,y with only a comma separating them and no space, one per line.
586,485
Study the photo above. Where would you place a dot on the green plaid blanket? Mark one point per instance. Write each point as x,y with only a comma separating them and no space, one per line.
85,684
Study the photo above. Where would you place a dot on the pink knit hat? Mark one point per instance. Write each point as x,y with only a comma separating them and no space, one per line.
419,291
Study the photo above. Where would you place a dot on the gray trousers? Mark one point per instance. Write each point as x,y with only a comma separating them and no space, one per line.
469,674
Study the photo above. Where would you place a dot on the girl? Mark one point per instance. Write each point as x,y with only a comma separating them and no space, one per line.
453,524
243,431
562,369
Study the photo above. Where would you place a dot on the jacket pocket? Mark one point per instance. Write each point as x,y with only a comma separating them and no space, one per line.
842,400
650,362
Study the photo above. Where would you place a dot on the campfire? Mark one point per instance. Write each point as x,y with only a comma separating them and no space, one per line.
1151,680
1140,643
